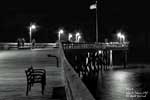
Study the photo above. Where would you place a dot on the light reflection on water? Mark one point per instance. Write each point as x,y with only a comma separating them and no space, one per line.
123,85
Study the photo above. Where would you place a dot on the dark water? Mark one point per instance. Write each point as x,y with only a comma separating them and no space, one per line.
120,84
125,84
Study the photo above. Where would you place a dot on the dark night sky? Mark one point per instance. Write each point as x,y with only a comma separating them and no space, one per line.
133,16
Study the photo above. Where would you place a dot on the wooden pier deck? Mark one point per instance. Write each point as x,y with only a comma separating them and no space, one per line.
13,80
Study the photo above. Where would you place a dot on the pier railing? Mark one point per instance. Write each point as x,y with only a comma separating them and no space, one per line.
12,45
75,88
110,45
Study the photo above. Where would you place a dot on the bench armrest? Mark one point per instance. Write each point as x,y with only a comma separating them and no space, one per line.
37,74
39,70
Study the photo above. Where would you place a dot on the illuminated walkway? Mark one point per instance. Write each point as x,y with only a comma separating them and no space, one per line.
12,74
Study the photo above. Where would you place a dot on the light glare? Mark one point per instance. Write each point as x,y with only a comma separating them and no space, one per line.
61,31
121,37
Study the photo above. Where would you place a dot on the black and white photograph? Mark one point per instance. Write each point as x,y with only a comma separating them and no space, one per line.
74,50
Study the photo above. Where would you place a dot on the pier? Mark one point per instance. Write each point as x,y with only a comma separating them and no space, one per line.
69,77
63,82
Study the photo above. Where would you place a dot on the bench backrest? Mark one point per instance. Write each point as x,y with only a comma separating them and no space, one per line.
28,73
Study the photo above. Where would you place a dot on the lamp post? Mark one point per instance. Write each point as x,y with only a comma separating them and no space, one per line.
121,37
77,35
61,31
69,37
32,27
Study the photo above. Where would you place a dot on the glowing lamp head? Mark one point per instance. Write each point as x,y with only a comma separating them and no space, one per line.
33,26
61,31
79,37
70,36
77,34
119,35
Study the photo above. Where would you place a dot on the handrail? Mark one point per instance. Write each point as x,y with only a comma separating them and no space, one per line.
75,88
111,45
10,45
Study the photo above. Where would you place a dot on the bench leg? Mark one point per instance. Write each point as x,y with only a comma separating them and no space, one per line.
42,86
30,86
45,79
57,62
27,90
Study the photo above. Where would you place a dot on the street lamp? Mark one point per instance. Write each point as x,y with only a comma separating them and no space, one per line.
61,31
69,37
77,35
121,37
32,27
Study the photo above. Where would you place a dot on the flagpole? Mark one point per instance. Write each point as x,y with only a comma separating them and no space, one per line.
95,6
96,22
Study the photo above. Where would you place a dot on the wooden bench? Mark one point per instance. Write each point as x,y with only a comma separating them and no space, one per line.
35,76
